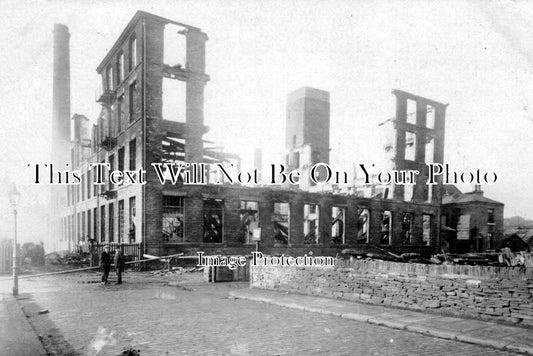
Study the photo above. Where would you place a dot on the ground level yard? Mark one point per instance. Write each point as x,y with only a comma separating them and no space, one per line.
196,318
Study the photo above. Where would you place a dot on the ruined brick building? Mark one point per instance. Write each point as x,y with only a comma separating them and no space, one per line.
476,219
132,132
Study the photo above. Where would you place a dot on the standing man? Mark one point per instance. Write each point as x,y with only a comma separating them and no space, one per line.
105,263
119,264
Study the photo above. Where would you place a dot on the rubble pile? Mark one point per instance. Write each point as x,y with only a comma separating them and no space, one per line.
505,258
66,258
176,270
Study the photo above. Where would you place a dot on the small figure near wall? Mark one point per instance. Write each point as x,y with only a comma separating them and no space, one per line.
105,263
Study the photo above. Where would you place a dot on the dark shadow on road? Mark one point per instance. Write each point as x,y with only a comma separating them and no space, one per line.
49,334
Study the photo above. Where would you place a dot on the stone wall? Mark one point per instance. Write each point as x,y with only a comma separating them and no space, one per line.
493,293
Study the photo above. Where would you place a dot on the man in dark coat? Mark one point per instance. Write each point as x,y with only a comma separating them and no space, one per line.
119,264
105,263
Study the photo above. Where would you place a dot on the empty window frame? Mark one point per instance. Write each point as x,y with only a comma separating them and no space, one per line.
430,117
95,225
429,149
132,154
426,229
89,184
121,153
132,222
111,169
338,216
280,220
70,227
102,224
249,215
132,101
213,220
174,100
490,217
174,152
111,222
386,227
82,227
120,67
78,225
89,226
411,112
82,187
96,187
410,146
175,45
311,215
173,219
132,53
407,228
109,78
120,113
363,224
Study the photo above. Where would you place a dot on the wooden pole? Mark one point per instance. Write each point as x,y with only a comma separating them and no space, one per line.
179,255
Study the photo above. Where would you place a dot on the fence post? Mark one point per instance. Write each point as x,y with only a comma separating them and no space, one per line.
142,266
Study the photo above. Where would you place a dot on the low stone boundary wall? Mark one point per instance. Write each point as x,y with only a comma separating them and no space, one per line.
493,293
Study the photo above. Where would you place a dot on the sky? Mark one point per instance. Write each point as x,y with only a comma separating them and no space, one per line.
475,56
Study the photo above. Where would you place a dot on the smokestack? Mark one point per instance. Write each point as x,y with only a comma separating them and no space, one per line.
61,96
60,148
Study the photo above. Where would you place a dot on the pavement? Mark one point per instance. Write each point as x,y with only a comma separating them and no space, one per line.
17,337
483,333
182,315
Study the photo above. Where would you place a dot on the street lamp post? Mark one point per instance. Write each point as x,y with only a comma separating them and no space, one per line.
14,197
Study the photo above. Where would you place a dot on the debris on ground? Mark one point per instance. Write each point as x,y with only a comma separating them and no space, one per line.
380,253
66,258
505,258
176,270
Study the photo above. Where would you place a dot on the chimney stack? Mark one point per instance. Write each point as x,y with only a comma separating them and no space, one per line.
60,147
61,97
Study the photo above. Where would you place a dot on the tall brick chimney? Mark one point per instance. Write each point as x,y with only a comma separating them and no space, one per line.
61,97
60,146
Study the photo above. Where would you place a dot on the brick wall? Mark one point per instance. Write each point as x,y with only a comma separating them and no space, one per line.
493,293
478,221
232,195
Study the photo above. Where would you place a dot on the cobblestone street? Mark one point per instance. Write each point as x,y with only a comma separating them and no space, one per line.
195,318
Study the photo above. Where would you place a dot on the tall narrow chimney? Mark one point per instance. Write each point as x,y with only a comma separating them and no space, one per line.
61,97
60,148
